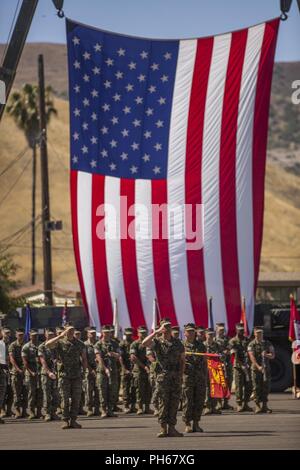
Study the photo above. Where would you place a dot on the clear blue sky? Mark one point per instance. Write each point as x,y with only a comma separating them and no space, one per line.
160,18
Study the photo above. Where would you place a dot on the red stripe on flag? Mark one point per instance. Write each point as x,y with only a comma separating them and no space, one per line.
161,265
99,253
227,194
128,253
193,186
260,129
73,188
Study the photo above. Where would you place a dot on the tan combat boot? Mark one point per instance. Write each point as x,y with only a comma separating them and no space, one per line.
196,427
90,413
265,408
140,411
66,424
173,432
188,427
48,418
240,408
18,414
246,407
163,431
257,409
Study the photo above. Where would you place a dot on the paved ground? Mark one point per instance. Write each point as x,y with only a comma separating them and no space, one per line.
280,430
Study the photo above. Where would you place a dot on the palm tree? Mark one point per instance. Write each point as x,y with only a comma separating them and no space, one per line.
23,106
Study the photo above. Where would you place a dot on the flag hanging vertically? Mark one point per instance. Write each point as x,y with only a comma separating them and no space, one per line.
158,125
64,317
243,318
294,326
27,322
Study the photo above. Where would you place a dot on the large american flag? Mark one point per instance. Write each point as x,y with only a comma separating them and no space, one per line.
169,122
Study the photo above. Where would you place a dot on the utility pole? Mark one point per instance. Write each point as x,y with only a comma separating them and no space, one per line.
15,47
46,233
33,215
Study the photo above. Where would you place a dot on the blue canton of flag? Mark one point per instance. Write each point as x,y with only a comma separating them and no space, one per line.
121,92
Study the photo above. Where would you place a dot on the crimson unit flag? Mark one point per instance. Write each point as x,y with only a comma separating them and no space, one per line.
294,327
159,128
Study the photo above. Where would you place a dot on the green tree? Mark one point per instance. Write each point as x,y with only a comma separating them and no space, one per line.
23,106
8,271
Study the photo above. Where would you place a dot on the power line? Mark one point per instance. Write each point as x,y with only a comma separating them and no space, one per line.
58,156
25,227
15,183
11,164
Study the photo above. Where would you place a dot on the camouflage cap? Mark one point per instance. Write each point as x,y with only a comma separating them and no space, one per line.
142,329
69,324
259,328
190,327
90,329
48,329
128,331
175,328
220,325
209,331
33,331
239,326
20,330
6,329
164,320
200,328
106,328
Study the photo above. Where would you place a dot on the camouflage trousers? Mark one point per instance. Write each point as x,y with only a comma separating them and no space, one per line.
169,391
71,393
261,387
143,388
129,392
50,395
108,390
193,397
3,384
243,386
35,393
91,392
155,396
19,391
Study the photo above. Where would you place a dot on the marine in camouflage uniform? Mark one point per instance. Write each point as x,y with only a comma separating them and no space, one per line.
242,376
154,371
223,341
58,363
81,411
119,368
48,377
141,371
169,353
200,333
72,355
212,347
194,380
17,375
9,396
128,389
260,352
32,375
107,356
91,387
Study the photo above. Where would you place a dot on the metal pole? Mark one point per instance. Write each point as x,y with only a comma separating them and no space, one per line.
15,46
33,215
46,234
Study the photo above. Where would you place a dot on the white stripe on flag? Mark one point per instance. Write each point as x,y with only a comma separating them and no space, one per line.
144,252
244,203
176,177
84,213
211,176
113,249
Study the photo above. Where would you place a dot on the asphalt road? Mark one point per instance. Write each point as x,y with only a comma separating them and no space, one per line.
279,430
